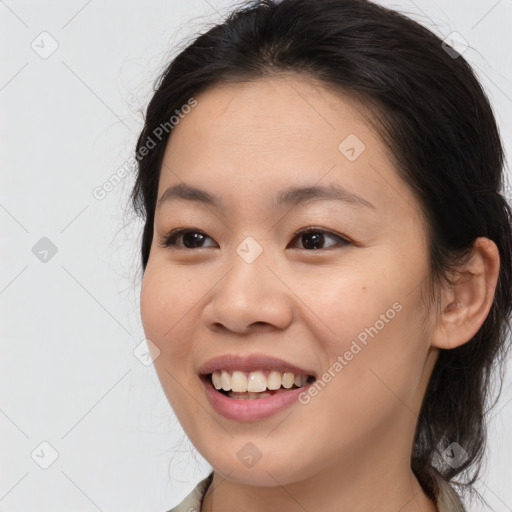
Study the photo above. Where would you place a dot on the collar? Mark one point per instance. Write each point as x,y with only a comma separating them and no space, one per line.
445,497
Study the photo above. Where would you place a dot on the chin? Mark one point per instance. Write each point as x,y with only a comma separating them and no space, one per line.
269,471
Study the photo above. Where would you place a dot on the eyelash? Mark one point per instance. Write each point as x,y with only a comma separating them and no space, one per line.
169,240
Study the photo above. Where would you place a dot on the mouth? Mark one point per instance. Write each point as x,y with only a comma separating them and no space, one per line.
258,384
253,387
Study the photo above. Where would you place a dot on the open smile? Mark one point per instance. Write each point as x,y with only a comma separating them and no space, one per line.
237,390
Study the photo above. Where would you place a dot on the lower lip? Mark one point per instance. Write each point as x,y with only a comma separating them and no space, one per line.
250,410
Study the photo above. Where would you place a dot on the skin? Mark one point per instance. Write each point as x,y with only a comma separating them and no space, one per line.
349,448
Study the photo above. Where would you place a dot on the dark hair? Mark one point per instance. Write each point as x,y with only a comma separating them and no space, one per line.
438,125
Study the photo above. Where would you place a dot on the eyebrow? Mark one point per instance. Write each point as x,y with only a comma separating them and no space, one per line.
292,196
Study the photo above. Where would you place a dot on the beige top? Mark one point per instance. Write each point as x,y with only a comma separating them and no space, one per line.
446,500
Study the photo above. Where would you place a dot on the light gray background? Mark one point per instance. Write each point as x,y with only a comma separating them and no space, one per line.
69,325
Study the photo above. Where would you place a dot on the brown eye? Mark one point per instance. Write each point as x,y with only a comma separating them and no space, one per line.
311,238
314,238
191,239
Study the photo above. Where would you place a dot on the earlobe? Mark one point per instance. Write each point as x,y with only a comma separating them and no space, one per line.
465,305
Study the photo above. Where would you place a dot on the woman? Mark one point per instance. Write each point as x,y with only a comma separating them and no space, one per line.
327,258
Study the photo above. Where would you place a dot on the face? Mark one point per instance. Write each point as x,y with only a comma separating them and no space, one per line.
310,259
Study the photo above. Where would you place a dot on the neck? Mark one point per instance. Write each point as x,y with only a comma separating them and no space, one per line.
354,490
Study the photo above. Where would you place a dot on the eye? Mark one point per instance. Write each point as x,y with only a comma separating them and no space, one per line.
192,239
313,237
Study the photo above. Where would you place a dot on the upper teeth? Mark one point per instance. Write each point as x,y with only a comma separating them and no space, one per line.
255,382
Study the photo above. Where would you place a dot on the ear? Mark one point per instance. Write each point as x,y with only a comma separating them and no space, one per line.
465,306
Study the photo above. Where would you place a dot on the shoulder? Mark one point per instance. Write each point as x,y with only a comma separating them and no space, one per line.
192,502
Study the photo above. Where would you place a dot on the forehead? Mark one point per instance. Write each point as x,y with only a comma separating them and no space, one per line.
274,112
257,137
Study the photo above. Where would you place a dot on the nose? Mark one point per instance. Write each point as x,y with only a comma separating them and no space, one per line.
251,296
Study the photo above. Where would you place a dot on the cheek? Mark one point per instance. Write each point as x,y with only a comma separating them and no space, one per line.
353,306
163,308
164,304
373,322
381,352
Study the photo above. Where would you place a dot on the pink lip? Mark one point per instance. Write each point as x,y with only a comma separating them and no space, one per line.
250,410
259,408
232,362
